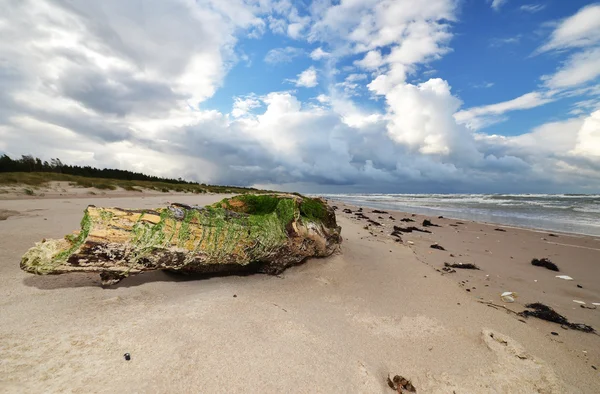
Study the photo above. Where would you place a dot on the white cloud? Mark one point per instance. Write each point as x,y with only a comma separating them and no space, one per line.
588,137
478,117
532,8
243,105
297,24
277,25
283,55
360,26
307,78
579,30
496,4
319,54
372,61
356,77
580,68
585,106
323,99
424,117
294,30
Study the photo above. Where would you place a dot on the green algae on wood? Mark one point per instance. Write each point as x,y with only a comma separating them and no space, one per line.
246,233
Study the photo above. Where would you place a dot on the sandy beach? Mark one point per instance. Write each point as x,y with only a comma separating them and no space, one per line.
339,324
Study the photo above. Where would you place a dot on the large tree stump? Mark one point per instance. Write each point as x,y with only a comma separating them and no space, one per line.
247,233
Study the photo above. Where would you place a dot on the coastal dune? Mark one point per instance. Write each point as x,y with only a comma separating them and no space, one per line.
339,324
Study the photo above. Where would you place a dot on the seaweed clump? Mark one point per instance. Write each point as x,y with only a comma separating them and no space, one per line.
545,263
466,266
544,312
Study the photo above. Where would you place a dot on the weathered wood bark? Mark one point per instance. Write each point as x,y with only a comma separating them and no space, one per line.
247,233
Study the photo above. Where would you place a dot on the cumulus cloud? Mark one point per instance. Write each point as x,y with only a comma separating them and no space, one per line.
372,61
588,137
307,78
243,105
319,54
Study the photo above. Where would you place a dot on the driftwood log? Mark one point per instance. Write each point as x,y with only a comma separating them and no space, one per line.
243,234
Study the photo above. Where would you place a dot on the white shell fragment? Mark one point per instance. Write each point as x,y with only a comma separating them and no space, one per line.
508,296
565,277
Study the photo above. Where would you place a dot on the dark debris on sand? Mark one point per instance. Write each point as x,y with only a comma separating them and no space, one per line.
427,223
545,263
398,235
438,247
401,384
410,229
544,312
465,266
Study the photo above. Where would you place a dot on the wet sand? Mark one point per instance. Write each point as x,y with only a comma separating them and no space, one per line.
339,324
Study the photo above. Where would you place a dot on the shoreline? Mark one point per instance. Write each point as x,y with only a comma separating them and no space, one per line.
436,212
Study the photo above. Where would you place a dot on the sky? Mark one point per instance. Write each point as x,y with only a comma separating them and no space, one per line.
321,96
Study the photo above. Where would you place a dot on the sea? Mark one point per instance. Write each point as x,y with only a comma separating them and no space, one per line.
569,213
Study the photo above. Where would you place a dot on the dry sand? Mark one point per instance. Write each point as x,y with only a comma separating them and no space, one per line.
339,324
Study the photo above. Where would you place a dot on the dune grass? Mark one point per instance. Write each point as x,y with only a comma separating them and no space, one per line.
38,179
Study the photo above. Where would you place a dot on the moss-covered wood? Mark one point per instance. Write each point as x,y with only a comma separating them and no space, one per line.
252,233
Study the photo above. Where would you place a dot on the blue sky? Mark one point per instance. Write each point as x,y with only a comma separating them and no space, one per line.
322,95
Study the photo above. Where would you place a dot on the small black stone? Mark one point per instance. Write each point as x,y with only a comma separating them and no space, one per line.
127,356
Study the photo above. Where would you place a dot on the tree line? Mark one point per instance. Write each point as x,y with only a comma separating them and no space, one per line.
28,163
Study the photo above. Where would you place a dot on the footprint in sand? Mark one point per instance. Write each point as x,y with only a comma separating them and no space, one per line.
6,213
514,371
404,327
